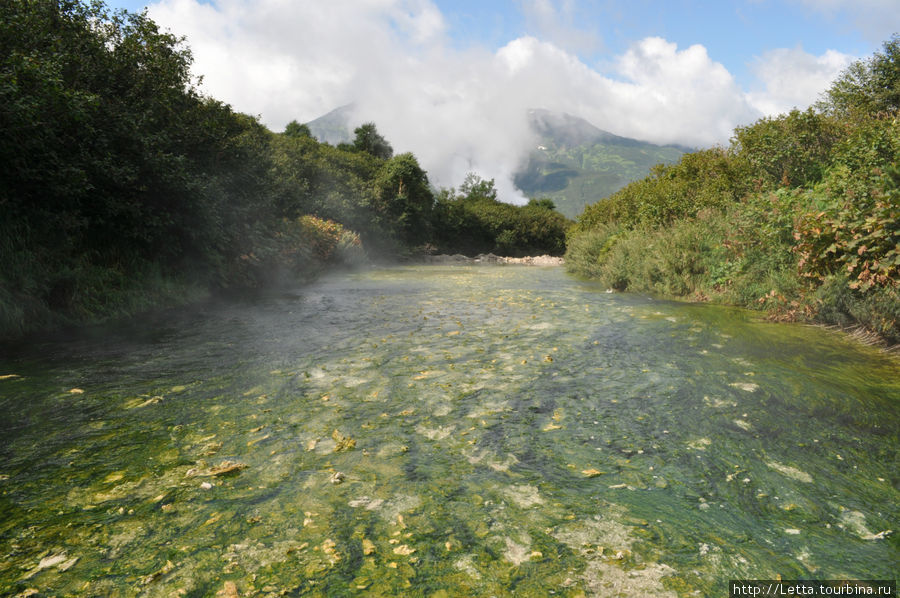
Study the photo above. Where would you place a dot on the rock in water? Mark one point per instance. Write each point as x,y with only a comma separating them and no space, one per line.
226,467
229,590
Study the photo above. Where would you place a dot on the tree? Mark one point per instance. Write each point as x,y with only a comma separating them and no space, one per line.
474,221
789,150
404,200
368,140
295,129
869,86
474,187
545,203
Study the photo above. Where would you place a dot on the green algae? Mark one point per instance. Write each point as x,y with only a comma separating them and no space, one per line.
461,407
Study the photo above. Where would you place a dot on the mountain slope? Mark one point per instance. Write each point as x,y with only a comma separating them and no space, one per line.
333,127
577,164
574,163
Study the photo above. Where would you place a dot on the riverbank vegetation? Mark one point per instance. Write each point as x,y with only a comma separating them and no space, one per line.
125,188
798,216
473,221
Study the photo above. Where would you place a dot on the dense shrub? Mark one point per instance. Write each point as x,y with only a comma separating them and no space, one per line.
789,150
474,222
700,180
855,236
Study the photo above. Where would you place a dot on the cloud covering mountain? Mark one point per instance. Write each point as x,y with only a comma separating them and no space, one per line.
462,109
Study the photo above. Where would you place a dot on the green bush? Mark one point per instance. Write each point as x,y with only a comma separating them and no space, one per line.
855,226
678,260
474,222
789,150
700,181
586,251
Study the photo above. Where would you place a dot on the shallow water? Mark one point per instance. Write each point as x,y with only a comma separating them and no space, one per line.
496,431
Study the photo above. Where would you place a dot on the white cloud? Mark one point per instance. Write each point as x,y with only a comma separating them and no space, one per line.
679,96
557,25
793,78
457,110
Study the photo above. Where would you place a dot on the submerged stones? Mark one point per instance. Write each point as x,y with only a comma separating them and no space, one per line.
60,561
439,433
211,449
791,472
606,544
516,553
403,550
524,496
855,521
699,444
222,469
164,570
229,590
745,386
226,467
140,402
455,485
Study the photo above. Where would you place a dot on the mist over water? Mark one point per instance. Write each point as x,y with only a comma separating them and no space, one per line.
458,429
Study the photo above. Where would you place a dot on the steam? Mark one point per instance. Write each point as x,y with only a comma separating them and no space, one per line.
460,110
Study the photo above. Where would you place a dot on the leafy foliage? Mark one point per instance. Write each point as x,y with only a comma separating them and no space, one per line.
859,238
403,197
369,140
124,188
700,180
474,222
868,87
295,129
788,151
118,174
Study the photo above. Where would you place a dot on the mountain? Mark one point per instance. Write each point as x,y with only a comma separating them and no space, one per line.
574,163
577,164
333,127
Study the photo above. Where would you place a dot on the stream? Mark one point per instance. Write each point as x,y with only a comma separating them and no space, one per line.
446,431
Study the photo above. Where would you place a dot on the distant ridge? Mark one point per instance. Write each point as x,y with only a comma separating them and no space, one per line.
333,127
571,131
577,164
574,163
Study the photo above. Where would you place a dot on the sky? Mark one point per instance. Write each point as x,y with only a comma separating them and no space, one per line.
452,80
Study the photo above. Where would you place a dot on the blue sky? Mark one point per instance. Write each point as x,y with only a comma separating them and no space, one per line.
734,32
452,81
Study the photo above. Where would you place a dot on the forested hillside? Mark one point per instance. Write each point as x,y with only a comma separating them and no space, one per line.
576,164
799,216
572,162
124,188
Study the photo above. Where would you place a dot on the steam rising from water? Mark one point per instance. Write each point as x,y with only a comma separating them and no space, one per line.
462,110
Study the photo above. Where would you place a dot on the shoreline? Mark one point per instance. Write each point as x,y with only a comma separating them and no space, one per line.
490,258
